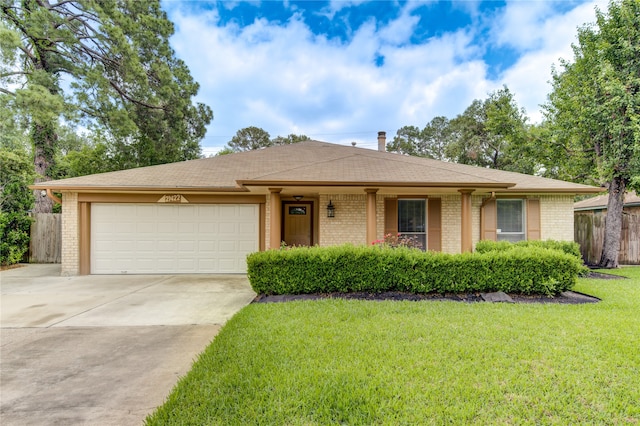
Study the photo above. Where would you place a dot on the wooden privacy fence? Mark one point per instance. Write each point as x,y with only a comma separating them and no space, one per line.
46,238
589,233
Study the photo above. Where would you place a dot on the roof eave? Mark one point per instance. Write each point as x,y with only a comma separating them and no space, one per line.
588,190
278,183
603,207
94,188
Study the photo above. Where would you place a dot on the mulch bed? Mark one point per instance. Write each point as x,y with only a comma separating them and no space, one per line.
567,297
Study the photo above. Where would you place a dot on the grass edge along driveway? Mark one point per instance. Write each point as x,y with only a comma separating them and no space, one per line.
369,362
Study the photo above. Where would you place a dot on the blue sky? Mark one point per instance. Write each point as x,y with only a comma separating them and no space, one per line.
340,71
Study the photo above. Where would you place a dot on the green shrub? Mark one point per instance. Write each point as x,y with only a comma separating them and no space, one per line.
15,202
347,268
569,247
14,241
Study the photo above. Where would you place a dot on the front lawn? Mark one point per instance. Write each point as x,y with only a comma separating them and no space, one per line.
368,362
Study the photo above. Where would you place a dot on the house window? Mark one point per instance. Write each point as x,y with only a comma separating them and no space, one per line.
297,210
412,220
511,220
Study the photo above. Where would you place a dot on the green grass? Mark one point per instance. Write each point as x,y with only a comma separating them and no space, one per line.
367,362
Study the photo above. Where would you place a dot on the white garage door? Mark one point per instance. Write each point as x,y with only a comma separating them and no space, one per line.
161,238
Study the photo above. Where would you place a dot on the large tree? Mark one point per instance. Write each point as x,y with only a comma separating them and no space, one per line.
252,138
249,138
594,111
491,133
107,64
430,142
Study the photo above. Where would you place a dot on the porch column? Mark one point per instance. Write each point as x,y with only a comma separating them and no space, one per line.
371,214
275,216
466,241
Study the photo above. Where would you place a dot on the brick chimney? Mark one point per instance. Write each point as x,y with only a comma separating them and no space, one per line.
382,141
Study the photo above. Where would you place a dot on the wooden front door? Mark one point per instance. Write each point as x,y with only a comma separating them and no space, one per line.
298,220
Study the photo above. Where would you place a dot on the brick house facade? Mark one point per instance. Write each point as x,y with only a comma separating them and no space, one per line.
204,216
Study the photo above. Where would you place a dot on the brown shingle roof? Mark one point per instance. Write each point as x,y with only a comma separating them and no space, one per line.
601,202
311,163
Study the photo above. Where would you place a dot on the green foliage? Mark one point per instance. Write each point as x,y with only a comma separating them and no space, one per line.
253,138
490,133
569,247
123,79
88,160
249,139
13,134
225,151
526,270
594,104
430,142
592,112
15,201
412,363
289,139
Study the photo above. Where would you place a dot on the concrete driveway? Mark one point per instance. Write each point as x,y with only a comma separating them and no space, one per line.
103,350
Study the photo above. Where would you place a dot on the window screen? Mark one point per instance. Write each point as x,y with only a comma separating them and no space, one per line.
412,220
510,220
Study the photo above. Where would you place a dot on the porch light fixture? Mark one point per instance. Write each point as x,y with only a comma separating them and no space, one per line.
331,210
297,197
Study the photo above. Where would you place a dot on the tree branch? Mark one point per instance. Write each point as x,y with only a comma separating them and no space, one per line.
9,74
130,99
61,3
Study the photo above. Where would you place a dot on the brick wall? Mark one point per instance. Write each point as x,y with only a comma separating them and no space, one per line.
349,224
70,237
556,217
451,238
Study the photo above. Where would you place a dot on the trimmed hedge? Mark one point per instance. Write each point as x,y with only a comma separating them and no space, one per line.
347,268
569,247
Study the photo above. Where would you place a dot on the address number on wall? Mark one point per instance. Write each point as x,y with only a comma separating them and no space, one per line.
173,198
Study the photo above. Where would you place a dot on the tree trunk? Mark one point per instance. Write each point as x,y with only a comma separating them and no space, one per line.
613,224
44,141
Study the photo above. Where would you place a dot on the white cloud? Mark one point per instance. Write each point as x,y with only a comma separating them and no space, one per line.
336,6
285,79
529,77
399,31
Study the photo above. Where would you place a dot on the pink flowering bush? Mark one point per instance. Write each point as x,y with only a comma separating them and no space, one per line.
398,240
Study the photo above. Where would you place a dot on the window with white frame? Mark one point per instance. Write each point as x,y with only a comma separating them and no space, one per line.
412,220
511,220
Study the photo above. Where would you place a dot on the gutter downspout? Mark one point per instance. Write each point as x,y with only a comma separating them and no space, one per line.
53,196
486,200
